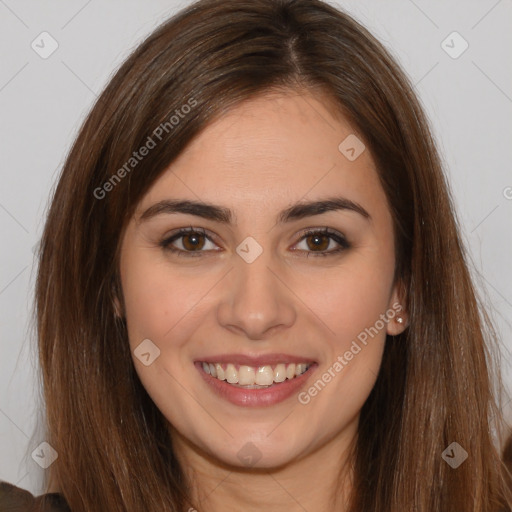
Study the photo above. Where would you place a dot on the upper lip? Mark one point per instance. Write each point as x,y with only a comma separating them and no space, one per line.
259,360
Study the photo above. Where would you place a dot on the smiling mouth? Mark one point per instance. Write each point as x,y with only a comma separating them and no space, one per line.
254,377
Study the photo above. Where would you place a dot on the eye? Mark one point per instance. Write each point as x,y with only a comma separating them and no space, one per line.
317,242
192,243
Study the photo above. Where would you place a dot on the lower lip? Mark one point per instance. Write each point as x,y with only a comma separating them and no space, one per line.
256,397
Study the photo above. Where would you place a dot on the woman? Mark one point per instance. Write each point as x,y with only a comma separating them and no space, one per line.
252,291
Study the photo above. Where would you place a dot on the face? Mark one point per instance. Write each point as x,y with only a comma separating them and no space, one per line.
233,259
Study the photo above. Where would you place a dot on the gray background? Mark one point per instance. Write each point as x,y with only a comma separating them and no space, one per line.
43,101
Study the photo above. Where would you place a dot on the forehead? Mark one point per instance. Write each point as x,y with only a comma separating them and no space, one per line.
278,147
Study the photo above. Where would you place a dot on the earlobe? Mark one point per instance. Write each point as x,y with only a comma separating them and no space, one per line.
397,316
397,324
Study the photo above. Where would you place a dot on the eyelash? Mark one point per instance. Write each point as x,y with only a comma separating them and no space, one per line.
331,234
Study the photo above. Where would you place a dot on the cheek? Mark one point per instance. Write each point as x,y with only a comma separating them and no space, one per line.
351,305
162,305
354,297
158,300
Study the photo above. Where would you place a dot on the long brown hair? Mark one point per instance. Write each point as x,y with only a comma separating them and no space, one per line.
435,386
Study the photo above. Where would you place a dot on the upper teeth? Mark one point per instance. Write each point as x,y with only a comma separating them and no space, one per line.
250,375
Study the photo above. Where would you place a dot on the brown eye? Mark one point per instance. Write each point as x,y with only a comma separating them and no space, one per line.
188,242
318,241
193,241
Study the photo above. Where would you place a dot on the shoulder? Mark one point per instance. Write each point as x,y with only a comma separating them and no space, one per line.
15,499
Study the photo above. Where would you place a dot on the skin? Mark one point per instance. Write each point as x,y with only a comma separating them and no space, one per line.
261,157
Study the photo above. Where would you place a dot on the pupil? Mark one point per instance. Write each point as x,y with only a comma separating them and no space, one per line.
318,241
194,239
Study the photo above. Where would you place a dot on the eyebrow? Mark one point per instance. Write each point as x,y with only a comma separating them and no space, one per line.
224,215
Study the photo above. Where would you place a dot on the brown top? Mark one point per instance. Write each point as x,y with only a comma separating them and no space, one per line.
15,499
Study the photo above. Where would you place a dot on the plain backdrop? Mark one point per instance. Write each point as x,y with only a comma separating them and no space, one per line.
467,93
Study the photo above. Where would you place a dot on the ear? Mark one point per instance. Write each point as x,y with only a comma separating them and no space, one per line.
398,317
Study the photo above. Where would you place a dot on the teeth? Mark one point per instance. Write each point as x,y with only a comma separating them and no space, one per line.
231,374
220,372
280,373
251,377
264,376
246,375
299,369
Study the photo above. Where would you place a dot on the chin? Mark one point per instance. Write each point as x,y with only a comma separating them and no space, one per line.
257,451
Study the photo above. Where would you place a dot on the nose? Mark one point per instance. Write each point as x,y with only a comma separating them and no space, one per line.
257,301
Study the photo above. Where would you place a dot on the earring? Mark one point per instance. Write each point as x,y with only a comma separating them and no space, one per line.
399,319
